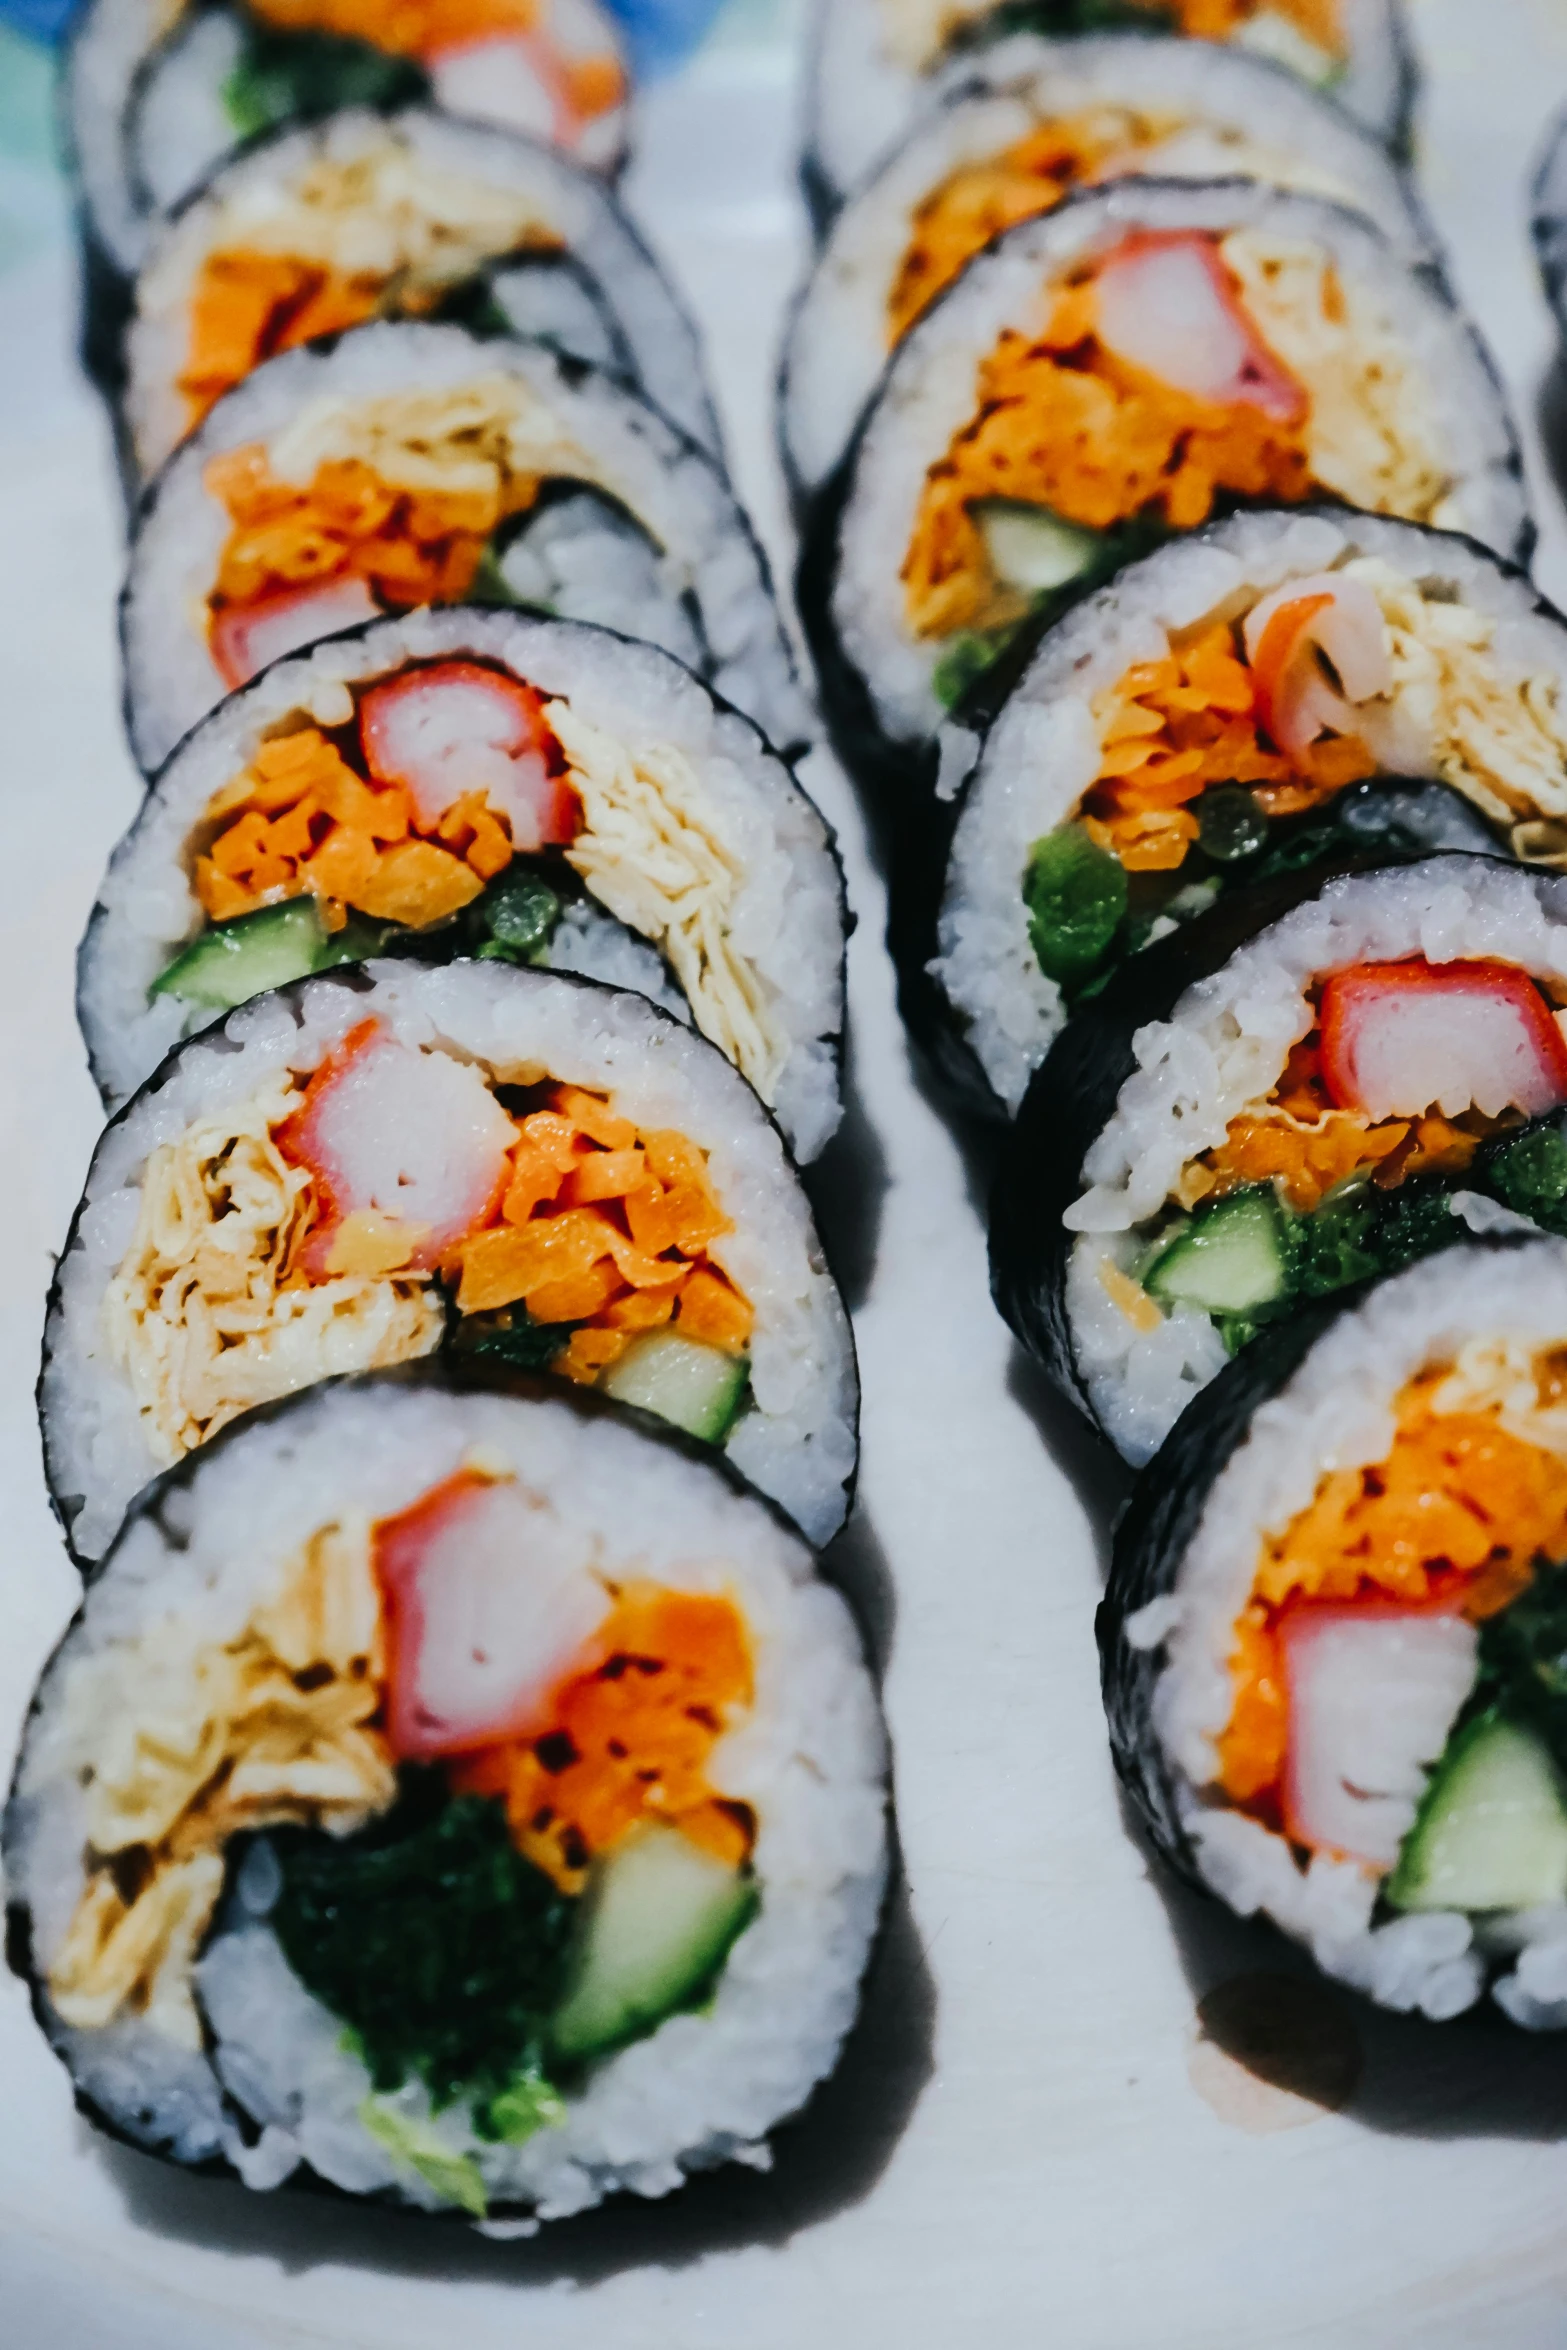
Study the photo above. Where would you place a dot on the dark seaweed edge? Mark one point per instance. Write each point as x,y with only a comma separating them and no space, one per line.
678,447
1076,1088
447,1375
223,714
360,978
919,883
1160,1521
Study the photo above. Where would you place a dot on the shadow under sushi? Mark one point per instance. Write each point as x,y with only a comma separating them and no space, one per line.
1551,416
847,1188
1097,1475
825,2159
1477,2076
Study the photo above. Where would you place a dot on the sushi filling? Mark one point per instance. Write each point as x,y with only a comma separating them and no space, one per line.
463,1775
1175,372
1413,1079
384,234
1397,1700
1229,760
541,67
981,200
1305,35
400,1202
367,507
452,807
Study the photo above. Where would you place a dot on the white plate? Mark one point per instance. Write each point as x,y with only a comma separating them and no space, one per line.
1030,2143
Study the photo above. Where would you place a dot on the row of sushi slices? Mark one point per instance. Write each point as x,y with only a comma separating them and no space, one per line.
458,1786
1162,529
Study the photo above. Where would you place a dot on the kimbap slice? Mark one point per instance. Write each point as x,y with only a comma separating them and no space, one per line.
1332,1640
1251,1118
468,782
324,227
457,1795
1109,376
1286,691
156,96
1025,124
877,66
417,464
481,1158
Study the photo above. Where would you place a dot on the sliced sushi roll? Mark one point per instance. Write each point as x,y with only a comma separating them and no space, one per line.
468,1799
1250,1118
368,1168
156,95
416,464
326,226
467,782
876,66
1266,697
1028,122
1332,1637
1108,376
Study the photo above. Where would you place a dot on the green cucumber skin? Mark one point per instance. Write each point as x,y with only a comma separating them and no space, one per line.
705,1408
1231,1261
233,961
614,1999
1492,1763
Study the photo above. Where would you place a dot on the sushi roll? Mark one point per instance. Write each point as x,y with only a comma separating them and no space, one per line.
876,66
1332,1637
469,782
1252,1117
399,1159
1030,121
462,1798
326,226
416,464
1110,375
1264,697
156,95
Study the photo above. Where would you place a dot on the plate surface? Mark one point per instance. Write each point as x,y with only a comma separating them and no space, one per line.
1033,2139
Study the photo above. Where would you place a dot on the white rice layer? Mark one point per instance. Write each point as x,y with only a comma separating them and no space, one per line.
809,1757
1337,1411
787,917
1234,115
565,202
877,66
674,490
798,1443
1043,752
1222,1050
927,396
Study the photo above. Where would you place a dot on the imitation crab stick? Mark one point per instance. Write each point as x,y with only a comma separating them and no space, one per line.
1399,1038
455,728
1166,303
1284,634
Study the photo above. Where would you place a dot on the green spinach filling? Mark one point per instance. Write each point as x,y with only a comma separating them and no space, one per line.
286,77
442,1949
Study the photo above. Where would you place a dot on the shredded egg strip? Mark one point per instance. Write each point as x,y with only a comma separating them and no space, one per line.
196,1316
654,852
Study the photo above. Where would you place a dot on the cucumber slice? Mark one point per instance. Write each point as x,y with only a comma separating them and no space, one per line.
1492,1830
235,960
659,1919
1229,1260
698,1388
1032,549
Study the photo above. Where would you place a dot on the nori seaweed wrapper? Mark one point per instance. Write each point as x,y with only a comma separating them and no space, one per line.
1157,1528
1073,1095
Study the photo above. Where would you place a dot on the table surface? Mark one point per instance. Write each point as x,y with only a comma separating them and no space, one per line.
1033,2134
